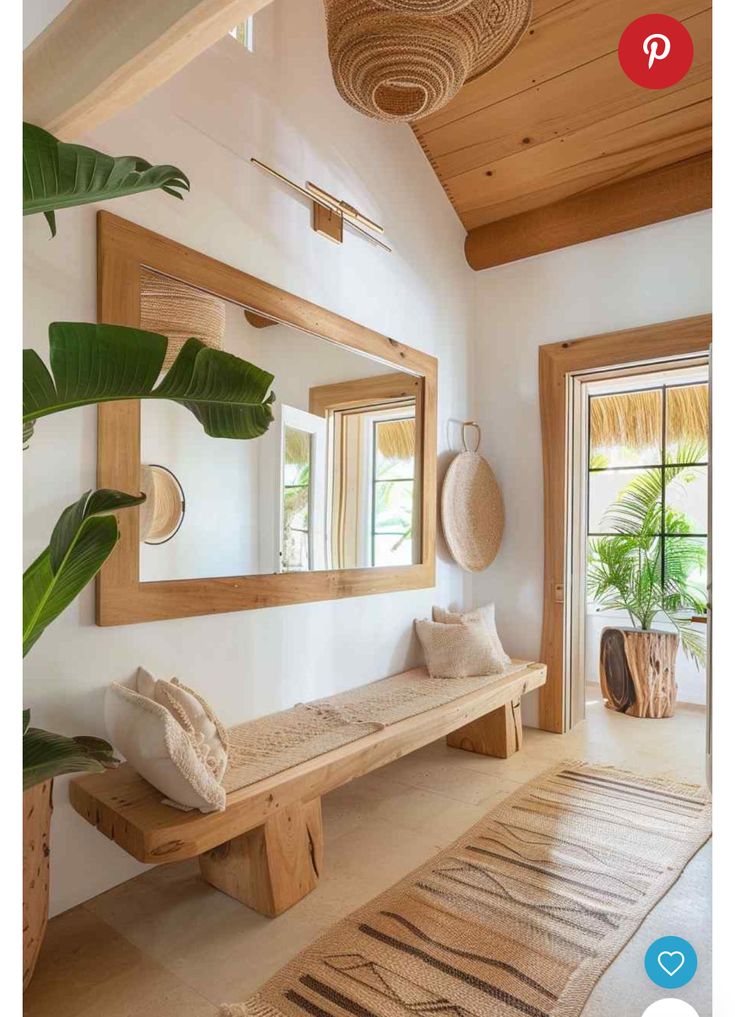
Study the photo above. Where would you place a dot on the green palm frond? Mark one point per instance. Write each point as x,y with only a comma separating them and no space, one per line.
59,175
628,570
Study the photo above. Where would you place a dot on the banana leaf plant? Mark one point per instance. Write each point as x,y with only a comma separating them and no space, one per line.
104,363
81,542
47,755
59,175
94,364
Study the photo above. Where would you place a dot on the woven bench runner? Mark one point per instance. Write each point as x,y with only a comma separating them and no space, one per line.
261,748
518,918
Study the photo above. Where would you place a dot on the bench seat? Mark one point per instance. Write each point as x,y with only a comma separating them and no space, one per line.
265,847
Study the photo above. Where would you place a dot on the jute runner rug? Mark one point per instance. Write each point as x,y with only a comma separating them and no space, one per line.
520,916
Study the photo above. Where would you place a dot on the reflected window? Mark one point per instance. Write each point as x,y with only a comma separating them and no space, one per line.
296,551
373,505
393,456
244,33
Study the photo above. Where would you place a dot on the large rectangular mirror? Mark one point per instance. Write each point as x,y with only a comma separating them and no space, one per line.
337,498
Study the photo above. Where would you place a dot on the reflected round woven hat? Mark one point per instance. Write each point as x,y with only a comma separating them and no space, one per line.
473,517
162,512
404,59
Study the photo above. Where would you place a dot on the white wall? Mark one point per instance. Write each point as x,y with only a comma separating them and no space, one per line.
649,275
278,104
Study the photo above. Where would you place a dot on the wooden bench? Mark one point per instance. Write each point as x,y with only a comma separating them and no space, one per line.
265,849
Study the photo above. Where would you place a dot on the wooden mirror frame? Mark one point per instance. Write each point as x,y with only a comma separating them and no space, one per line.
123,248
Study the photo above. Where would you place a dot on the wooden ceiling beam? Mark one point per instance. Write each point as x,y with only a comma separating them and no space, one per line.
100,56
666,193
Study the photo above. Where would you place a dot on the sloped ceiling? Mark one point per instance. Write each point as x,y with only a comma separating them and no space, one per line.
559,119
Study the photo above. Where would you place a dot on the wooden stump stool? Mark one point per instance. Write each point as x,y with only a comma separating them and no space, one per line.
637,671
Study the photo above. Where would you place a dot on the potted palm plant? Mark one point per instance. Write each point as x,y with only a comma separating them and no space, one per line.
90,364
652,579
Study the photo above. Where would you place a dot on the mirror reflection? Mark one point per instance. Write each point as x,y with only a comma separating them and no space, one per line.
333,484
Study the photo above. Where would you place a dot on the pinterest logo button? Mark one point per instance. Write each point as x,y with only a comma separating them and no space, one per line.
656,51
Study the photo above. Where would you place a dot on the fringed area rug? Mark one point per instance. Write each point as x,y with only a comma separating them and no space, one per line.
520,916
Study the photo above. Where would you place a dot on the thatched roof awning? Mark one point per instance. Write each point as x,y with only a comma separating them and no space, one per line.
634,419
396,439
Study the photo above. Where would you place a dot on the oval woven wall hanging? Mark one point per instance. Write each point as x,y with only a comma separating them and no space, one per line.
404,59
473,517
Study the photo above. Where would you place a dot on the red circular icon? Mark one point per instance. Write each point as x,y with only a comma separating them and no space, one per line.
656,51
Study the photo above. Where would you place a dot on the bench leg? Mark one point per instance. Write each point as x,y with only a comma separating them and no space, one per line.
499,733
275,865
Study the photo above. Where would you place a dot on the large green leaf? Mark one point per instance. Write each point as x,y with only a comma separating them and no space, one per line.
59,175
47,755
100,363
81,542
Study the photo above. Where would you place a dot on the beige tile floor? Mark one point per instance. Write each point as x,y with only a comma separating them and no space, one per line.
167,945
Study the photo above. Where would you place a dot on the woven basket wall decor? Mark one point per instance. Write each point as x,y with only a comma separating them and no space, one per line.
404,59
162,512
472,513
180,312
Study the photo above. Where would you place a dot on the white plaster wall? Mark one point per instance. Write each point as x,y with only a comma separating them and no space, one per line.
280,105
649,275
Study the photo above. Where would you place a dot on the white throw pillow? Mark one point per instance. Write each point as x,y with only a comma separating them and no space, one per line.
171,737
484,614
458,651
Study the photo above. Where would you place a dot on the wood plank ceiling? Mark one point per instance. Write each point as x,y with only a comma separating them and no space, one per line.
538,152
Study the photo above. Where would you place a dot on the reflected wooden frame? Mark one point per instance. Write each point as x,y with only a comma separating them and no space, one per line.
557,361
122,249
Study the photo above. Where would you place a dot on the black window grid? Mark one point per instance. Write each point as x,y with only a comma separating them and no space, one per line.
662,466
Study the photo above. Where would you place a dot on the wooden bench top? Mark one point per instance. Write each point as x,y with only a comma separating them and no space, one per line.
128,810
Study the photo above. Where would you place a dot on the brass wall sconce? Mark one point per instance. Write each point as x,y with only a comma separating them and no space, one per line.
329,214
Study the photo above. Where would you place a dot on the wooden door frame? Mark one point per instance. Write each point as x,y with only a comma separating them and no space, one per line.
557,361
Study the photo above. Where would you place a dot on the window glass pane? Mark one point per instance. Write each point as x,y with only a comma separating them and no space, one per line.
623,500
686,500
686,573
296,491
687,423
626,429
295,551
389,549
297,456
395,449
393,509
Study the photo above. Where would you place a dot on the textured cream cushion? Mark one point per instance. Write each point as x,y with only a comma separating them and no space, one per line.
485,614
171,737
458,651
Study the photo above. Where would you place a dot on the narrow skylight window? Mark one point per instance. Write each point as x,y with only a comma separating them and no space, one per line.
244,34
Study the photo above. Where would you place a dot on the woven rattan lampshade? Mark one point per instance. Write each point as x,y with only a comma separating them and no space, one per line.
404,59
180,312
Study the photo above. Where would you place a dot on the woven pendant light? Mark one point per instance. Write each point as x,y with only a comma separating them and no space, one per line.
405,59
180,312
